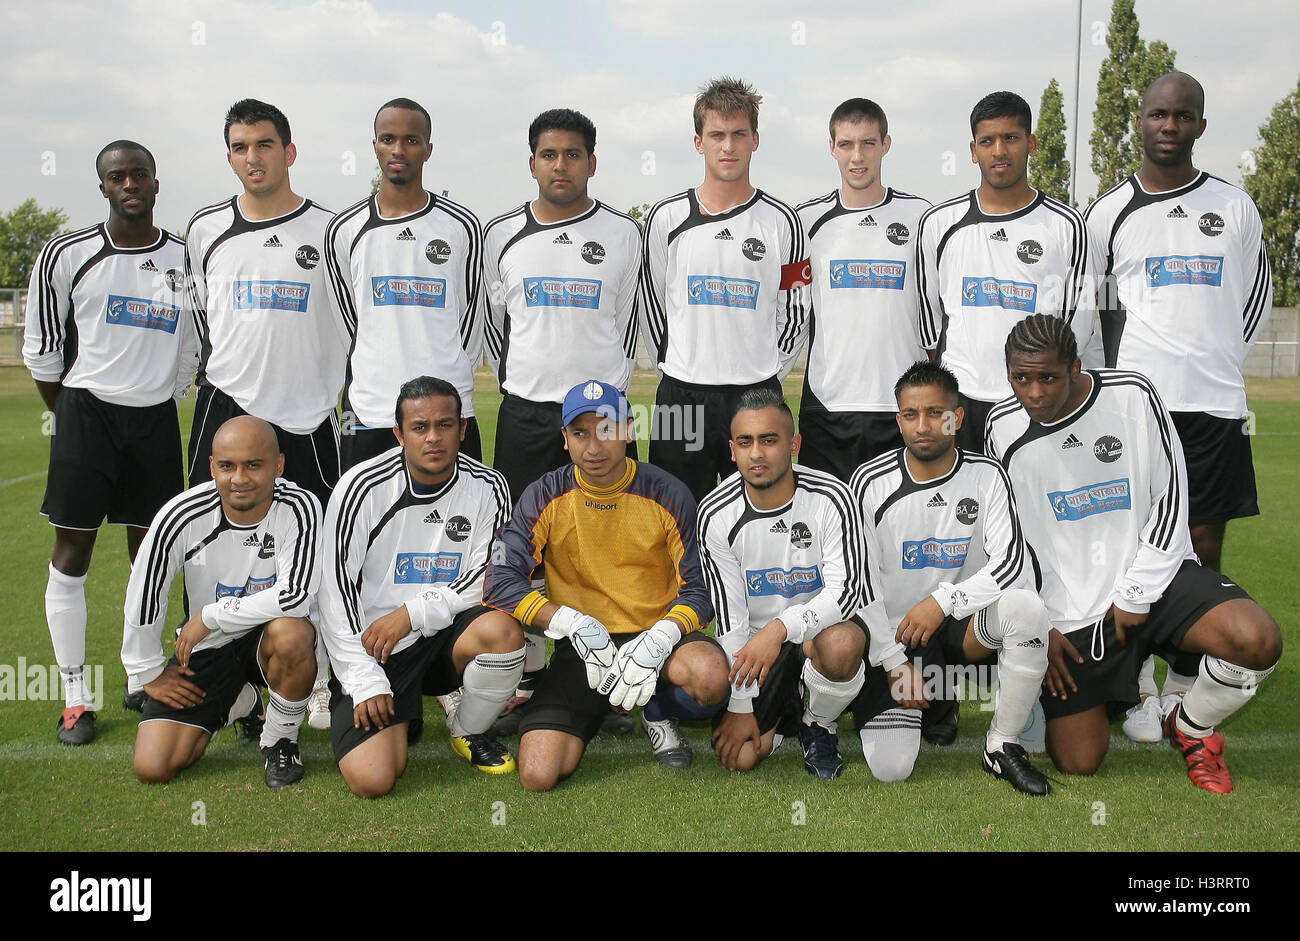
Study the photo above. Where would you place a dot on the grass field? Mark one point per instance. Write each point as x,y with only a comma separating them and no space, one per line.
53,797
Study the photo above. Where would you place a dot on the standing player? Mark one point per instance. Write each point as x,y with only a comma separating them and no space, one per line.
787,568
247,544
406,545
863,327
1095,462
103,343
988,258
946,523
618,541
723,291
405,266
273,343
560,275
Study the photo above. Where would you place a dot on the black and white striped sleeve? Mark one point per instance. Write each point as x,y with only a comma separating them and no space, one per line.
48,307
794,298
1258,279
338,266
927,278
1004,544
652,294
845,580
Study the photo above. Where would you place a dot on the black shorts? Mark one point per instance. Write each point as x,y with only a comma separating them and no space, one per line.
1109,672
1220,470
970,436
943,650
563,702
691,428
841,442
779,703
311,461
221,673
361,444
423,669
116,461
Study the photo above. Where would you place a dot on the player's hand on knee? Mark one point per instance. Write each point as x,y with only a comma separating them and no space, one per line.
907,687
753,661
589,639
735,729
192,634
375,712
920,623
172,689
1058,679
381,637
631,680
1124,621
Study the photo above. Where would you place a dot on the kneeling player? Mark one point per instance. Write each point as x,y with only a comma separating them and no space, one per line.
406,540
618,540
1099,477
945,521
247,543
786,564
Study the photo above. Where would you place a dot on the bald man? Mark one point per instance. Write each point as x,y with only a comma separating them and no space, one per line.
248,544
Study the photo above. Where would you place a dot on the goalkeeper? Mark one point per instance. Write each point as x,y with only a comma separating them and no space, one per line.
624,596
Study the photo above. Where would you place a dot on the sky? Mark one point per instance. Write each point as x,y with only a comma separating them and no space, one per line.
163,72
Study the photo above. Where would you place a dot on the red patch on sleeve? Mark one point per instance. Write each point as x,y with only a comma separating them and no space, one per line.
796,275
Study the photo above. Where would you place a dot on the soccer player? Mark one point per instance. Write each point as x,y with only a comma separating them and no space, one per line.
954,574
247,544
273,343
405,266
560,274
863,325
1099,478
723,291
995,254
103,342
787,568
407,535
624,596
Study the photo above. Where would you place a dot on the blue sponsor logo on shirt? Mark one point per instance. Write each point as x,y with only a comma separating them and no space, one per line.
1090,500
868,273
561,292
935,553
784,582
250,587
1185,269
271,295
425,568
994,292
408,291
141,312
718,291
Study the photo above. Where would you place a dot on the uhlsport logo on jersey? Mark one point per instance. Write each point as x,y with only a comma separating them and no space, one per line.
271,295
716,291
250,587
408,291
141,312
423,568
561,292
783,582
879,273
1184,269
996,292
934,553
1090,500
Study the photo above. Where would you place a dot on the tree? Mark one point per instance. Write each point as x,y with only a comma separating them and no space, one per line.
1272,179
1130,66
1049,171
23,233
638,213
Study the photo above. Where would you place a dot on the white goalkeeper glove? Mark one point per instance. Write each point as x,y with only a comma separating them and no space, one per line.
589,639
631,680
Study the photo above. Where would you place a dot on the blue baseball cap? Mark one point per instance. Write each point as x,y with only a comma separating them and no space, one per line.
594,396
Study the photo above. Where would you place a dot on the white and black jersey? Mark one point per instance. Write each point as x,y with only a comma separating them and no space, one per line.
724,298
1102,495
956,538
272,338
864,329
1187,288
239,577
805,562
108,319
386,545
981,274
561,300
409,291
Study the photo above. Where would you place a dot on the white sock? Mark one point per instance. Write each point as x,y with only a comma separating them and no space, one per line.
1220,690
827,699
534,652
322,661
283,718
1177,684
65,613
1016,626
890,743
1147,680
243,704
489,681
